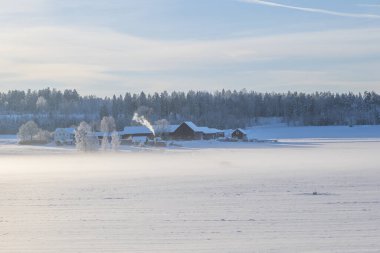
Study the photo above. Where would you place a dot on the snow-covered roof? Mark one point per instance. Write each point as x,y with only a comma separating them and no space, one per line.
228,132
192,126
136,130
166,129
241,130
172,128
205,130
68,130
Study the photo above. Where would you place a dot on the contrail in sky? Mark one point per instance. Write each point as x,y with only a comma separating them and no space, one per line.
314,10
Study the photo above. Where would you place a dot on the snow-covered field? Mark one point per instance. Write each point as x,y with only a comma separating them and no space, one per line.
195,199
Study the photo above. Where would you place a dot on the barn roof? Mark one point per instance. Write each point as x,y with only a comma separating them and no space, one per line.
136,130
190,124
172,128
166,129
205,130
241,130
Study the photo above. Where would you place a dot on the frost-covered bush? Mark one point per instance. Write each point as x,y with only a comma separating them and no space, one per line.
29,133
43,136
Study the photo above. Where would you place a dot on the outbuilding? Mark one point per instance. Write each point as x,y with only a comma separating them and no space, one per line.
189,131
210,133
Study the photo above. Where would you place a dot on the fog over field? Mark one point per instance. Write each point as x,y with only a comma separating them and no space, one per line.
257,199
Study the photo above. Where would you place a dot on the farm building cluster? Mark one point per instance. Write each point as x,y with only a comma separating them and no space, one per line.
142,134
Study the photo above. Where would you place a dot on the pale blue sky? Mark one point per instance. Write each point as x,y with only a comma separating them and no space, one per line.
106,47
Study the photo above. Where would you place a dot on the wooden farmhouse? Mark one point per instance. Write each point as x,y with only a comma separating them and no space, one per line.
189,131
239,134
185,131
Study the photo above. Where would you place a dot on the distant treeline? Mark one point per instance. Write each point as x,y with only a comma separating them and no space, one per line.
52,108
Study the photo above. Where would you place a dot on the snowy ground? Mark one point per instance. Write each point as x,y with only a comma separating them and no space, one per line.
195,199
314,132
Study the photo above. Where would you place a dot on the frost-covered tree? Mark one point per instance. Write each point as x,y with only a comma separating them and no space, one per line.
43,136
85,138
41,103
115,141
161,127
28,131
107,124
105,143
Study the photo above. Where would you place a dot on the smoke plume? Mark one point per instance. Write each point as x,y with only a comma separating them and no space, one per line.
143,121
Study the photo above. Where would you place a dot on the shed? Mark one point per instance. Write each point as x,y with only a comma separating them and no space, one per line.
210,133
